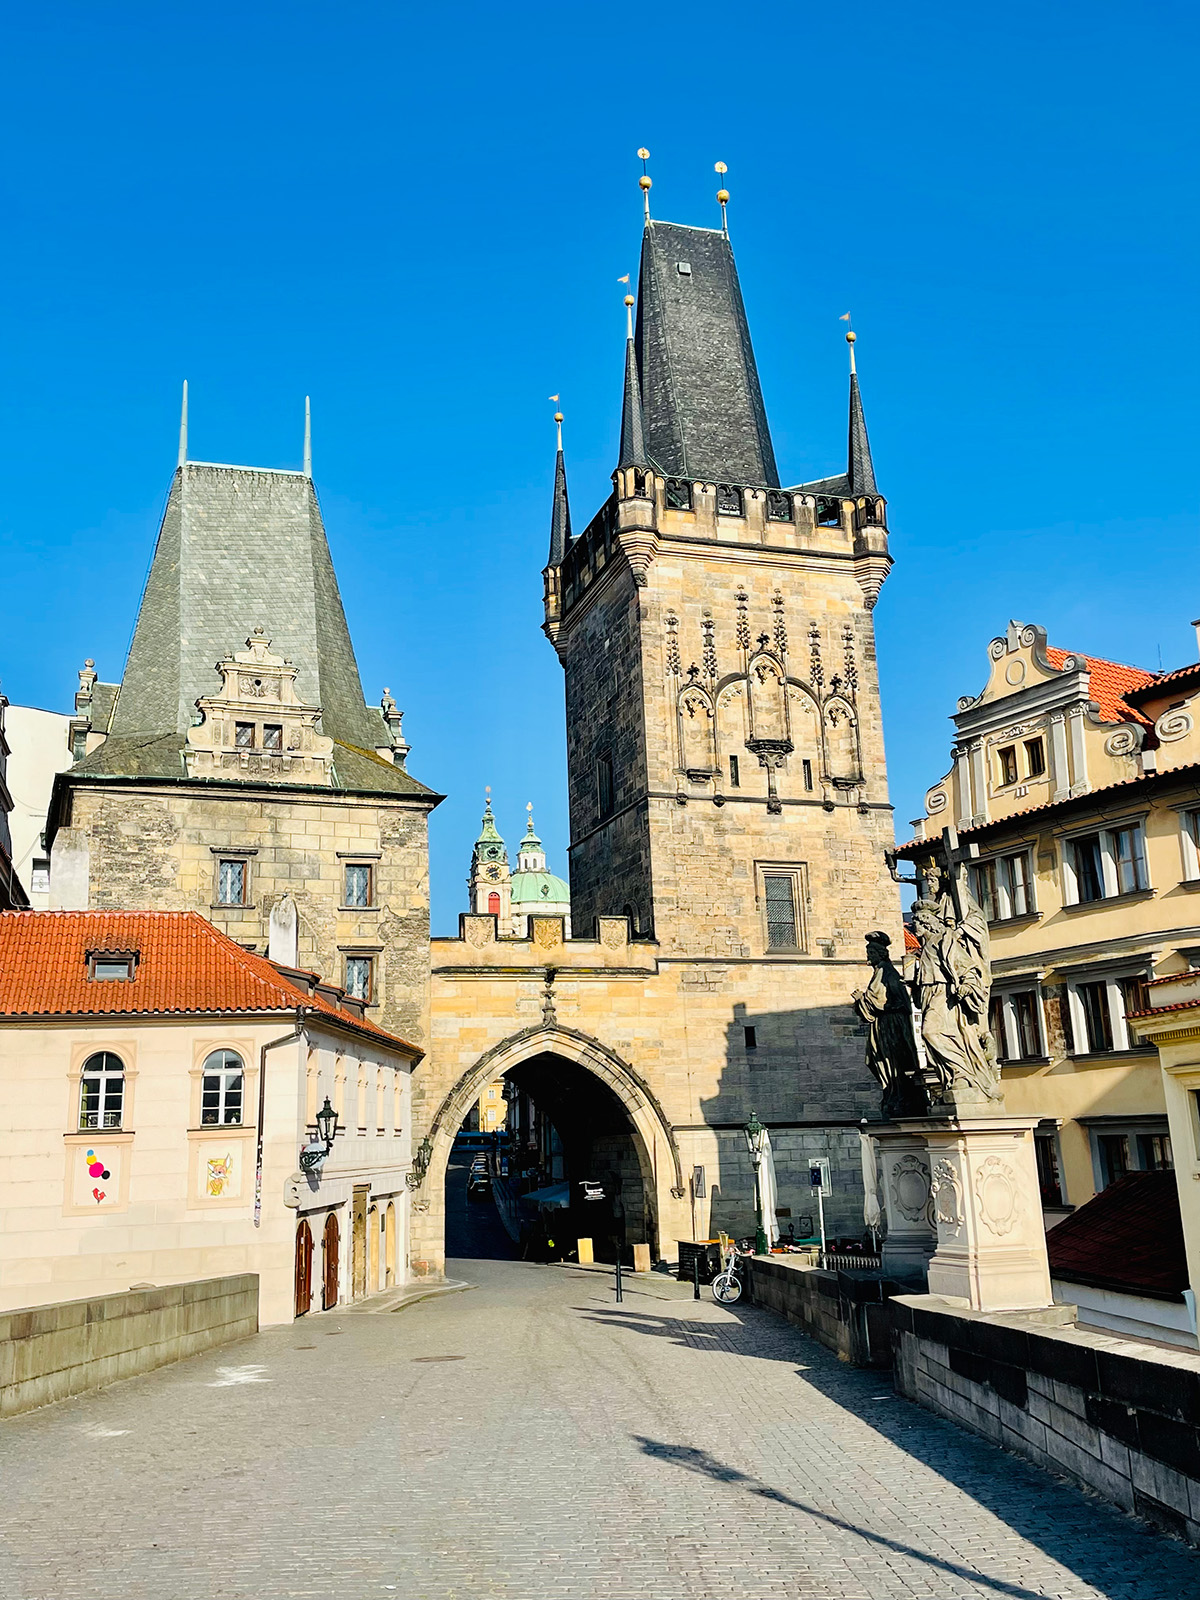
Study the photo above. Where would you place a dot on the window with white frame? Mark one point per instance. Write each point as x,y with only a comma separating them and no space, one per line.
1098,1010
1104,864
1189,822
1017,1024
102,1091
1004,886
221,1088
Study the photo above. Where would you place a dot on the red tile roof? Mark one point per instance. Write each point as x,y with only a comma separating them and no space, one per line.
1108,683
1129,1237
1166,681
911,942
185,966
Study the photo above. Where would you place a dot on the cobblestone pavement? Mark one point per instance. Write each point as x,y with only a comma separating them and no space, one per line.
531,1439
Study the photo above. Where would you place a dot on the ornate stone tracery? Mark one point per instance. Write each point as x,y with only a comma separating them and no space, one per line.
256,725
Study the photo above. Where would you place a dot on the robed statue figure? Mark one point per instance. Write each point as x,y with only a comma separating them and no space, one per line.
886,1008
951,988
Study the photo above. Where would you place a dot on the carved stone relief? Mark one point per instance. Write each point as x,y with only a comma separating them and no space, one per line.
909,1184
1173,725
998,1195
947,1196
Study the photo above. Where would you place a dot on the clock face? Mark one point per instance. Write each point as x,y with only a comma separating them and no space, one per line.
493,873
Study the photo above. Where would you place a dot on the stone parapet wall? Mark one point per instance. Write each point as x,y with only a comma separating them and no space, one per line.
1119,1418
845,1311
50,1352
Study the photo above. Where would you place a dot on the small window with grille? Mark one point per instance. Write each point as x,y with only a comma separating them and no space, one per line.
360,884
781,897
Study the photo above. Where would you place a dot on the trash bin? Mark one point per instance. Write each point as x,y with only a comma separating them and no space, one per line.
709,1253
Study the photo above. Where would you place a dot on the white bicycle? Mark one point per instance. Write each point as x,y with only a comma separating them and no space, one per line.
730,1283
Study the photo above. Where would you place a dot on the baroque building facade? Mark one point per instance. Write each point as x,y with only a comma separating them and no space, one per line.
1074,793
728,800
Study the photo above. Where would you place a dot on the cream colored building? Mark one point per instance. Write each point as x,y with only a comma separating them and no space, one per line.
1075,790
40,747
160,1085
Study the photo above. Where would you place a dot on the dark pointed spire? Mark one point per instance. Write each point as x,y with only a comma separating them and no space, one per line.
560,515
633,431
859,469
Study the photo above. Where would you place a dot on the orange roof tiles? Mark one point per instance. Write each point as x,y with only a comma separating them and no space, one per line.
185,966
1108,683
911,942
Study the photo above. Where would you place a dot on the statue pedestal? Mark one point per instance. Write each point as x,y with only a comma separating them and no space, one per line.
987,1208
911,1237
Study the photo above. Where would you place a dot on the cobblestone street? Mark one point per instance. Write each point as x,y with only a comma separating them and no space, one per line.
531,1438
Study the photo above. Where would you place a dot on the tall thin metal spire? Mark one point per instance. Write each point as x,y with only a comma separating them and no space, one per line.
633,428
560,513
645,182
183,427
723,196
859,468
307,437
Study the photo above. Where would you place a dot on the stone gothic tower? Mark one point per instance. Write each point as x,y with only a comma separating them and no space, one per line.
727,783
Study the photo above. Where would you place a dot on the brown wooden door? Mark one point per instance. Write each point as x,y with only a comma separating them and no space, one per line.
329,1296
304,1253
358,1241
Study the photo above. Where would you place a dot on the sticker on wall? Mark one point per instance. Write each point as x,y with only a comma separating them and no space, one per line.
95,1182
220,1175
97,1169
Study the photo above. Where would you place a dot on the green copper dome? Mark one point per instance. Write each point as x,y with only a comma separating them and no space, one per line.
531,889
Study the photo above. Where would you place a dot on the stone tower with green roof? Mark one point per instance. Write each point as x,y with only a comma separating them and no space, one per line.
240,764
490,881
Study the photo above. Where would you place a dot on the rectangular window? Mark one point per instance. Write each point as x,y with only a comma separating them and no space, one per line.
1015,875
243,735
1134,994
779,890
604,785
1129,858
359,884
1007,757
1049,1179
1190,821
231,883
112,969
1035,757
102,1091
360,974
751,1038
1089,868
1093,1001
983,886
272,736
39,881
1114,1156
1154,1152
221,1090
1028,1023
806,767
735,777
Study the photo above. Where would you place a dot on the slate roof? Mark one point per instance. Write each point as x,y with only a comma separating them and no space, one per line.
1130,1237
240,548
185,967
701,400
560,514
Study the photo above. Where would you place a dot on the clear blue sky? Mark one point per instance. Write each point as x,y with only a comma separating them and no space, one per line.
418,216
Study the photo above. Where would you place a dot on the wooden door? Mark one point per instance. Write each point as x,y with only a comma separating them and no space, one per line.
304,1253
389,1252
330,1285
374,1222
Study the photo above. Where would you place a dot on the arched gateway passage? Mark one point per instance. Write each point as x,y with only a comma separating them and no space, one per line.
610,1126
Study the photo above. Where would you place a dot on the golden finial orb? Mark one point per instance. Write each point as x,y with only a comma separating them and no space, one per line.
723,196
643,155
720,167
851,336
629,300
645,181
558,416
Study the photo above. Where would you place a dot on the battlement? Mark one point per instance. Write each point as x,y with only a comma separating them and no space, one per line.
480,944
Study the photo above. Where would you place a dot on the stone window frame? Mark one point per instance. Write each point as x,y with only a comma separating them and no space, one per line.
358,863
244,854
1189,843
202,1049
371,954
1132,1129
1110,975
797,871
1008,1045
81,1053
1005,882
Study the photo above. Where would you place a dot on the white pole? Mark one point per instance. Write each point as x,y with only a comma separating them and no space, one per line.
821,1213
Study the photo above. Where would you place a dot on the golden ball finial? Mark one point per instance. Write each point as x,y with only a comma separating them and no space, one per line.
629,300
720,167
643,155
645,181
558,416
723,196
851,336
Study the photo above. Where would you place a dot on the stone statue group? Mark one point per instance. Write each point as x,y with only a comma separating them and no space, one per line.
949,1063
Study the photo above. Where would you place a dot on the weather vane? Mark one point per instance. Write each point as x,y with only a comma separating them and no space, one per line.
723,197
645,182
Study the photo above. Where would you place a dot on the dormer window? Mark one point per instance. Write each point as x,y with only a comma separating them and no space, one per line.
243,735
1035,755
112,966
1008,763
272,736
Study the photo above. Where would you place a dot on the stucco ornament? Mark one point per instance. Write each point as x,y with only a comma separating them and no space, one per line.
909,1182
947,1196
1122,743
952,988
886,1008
998,1195
1173,725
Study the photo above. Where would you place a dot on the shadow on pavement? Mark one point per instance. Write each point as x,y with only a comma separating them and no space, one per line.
1120,1556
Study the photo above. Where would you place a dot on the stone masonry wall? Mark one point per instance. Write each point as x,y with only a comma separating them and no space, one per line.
156,847
1120,1419
50,1352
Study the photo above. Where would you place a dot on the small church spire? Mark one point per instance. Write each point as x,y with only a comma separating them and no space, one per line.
859,468
183,427
560,514
307,438
633,429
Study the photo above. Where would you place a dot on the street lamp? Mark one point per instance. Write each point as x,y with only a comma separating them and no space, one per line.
327,1125
755,1136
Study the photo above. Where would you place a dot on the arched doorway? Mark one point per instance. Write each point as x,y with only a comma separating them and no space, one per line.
304,1255
374,1221
389,1251
330,1242
610,1133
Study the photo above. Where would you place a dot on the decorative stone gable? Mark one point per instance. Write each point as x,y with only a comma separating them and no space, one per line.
255,726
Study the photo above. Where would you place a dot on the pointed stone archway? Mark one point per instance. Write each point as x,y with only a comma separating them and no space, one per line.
652,1135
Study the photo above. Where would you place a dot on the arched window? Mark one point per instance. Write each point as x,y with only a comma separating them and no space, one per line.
493,904
221,1088
102,1091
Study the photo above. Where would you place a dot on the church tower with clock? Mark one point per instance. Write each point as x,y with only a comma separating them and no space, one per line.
490,882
